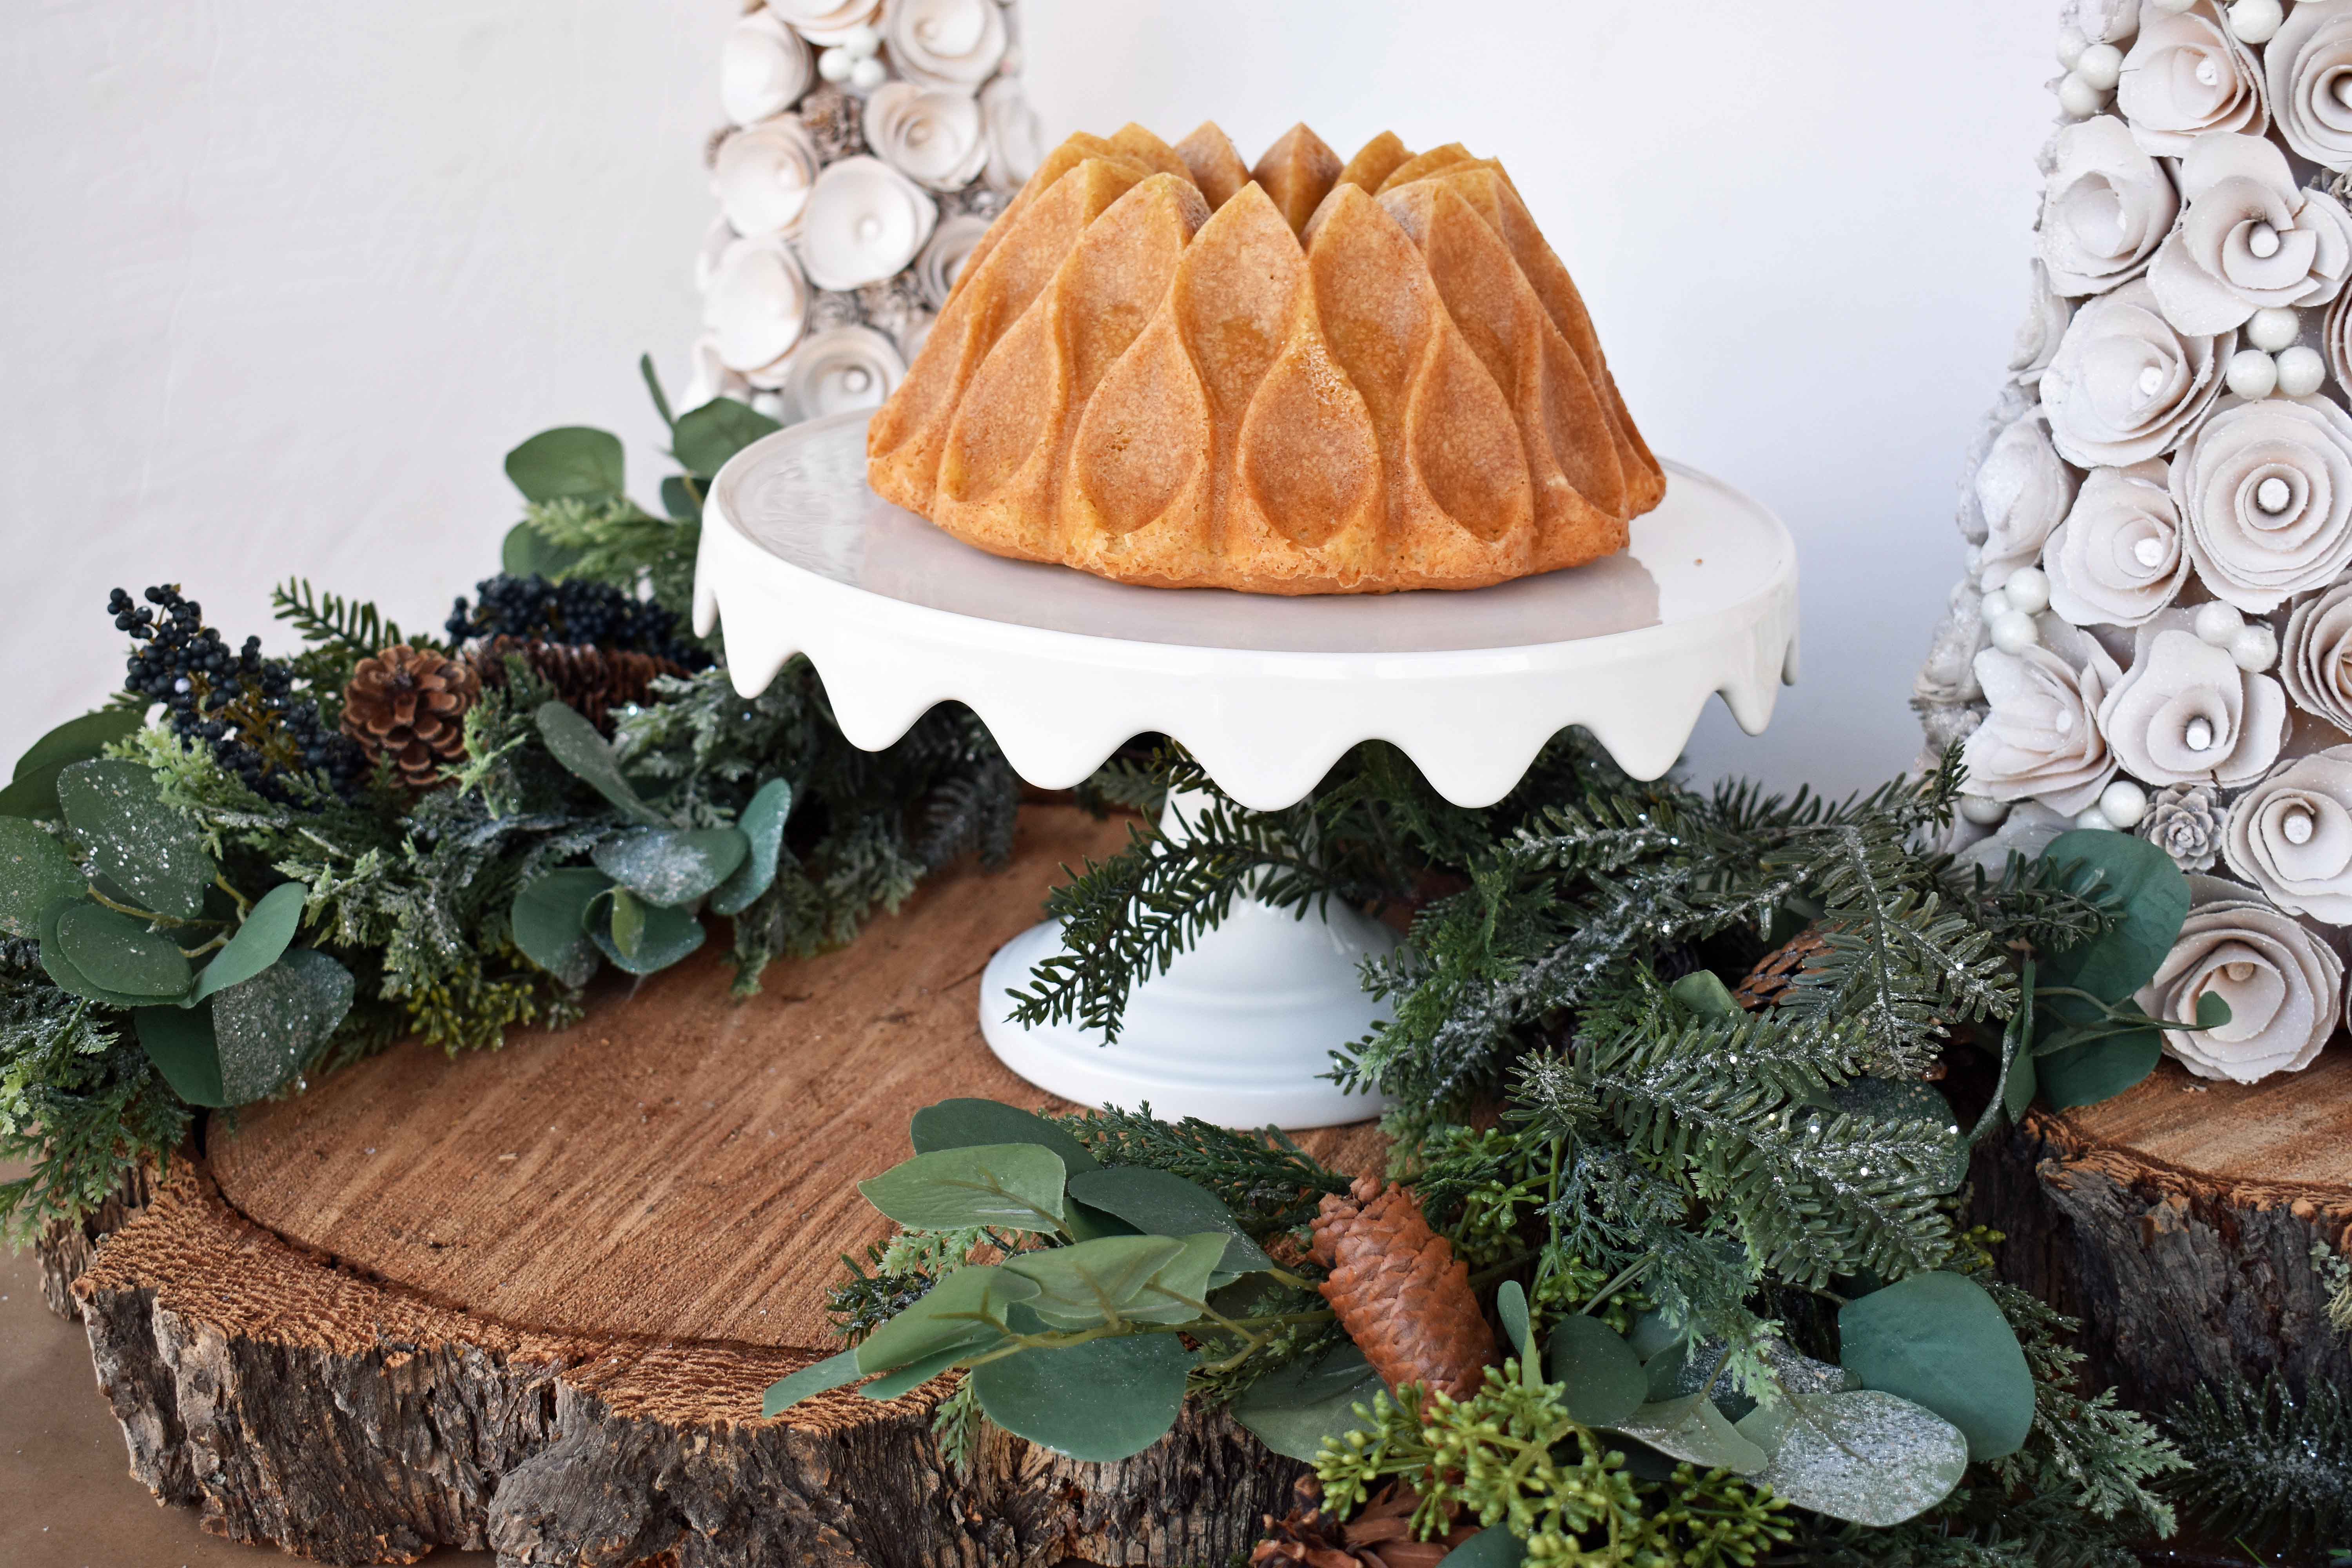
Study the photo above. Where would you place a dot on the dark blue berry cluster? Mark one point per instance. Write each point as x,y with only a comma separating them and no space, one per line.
597,614
245,708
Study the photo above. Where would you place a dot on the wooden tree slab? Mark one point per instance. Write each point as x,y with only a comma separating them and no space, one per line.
528,1300
2179,1222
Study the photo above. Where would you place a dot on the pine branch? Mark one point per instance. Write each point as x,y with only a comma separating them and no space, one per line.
2265,1464
342,627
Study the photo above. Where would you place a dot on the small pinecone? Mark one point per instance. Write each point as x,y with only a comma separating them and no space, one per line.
1400,1292
590,679
1778,970
409,704
1380,1536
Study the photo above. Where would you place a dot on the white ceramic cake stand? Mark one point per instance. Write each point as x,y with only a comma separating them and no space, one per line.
798,555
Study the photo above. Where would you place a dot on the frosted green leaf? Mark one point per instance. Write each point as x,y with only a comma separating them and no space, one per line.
573,741
1601,1375
1692,1428
656,937
1862,1455
834,1372
268,1026
669,866
1292,1410
1939,1340
32,791
120,955
35,872
550,920
181,1042
61,969
762,826
267,931
1014,1186
148,852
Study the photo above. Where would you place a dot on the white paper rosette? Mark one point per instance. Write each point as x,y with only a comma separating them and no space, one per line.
2024,490
941,262
2284,987
2125,384
715,241
709,376
2184,712
762,175
2309,67
2117,559
2187,74
763,69
2103,21
842,369
2251,239
953,43
1016,141
756,304
2291,836
864,221
2106,207
2041,733
2038,335
826,22
933,138
2266,491
2315,656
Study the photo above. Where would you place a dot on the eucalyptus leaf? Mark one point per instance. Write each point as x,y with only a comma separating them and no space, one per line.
763,828
1704,993
820,1377
681,499
1160,1202
658,937
2139,882
963,1310
962,1123
2212,1010
181,1042
705,437
1938,1340
152,853
913,1375
1601,1376
60,968
1867,1457
527,552
32,791
120,955
1692,1428
268,930
670,866
35,872
573,741
1101,1400
1653,1331
2098,1069
1493,1547
1183,1279
1511,1306
1080,1286
1294,1408
572,460
549,921
627,927
2020,1086
1012,1186
270,1024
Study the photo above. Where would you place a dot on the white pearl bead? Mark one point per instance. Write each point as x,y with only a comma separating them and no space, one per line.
2217,622
863,42
2071,44
2254,649
2101,64
2198,735
2252,374
2254,21
2028,590
2296,827
771,404
1983,810
2094,820
1994,606
2078,98
868,74
2275,328
2014,633
2124,804
2274,495
2301,371
836,64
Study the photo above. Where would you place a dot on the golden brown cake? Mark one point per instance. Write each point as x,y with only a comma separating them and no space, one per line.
1301,377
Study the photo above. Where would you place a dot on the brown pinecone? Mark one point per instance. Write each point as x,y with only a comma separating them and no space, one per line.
590,679
1400,1292
1779,969
409,704
1380,1536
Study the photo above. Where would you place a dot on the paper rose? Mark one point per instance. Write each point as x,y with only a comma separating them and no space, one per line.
2283,986
2184,711
2291,836
2125,386
756,305
2186,75
2335,339
826,22
2315,657
843,369
1016,141
763,69
931,137
2187,822
865,221
762,174
2118,558
709,376
2250,239
955,44
2041,733
941,262
2024,490
2103,21
2309,66
2108,207
2026,831
2266,491
2046,315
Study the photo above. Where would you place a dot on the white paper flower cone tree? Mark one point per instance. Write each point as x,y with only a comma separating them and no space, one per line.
2154,634
868,145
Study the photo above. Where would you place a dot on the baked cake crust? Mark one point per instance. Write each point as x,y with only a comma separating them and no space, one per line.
1301,377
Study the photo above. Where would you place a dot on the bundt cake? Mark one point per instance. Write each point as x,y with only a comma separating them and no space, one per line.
1166,367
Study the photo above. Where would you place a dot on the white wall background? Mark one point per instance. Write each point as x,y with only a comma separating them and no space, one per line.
280,282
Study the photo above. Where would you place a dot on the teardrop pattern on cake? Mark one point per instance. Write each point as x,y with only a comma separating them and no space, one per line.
1304,376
